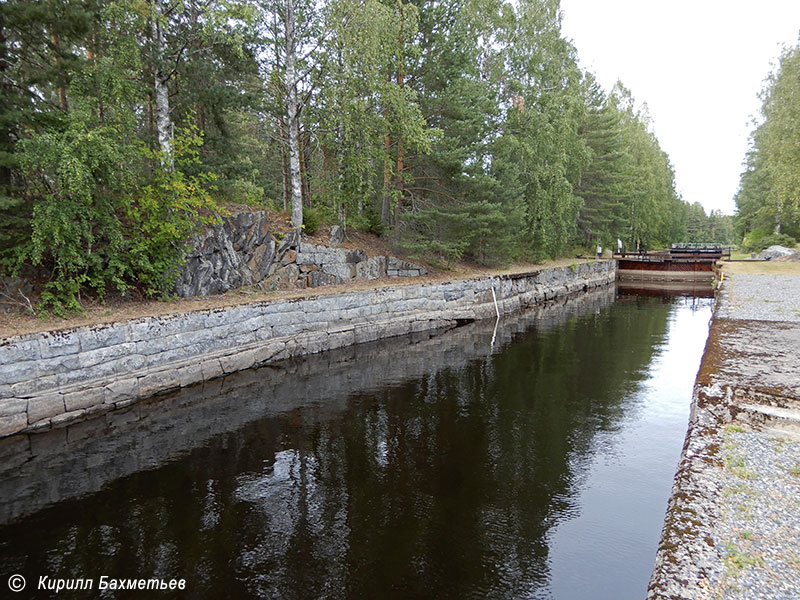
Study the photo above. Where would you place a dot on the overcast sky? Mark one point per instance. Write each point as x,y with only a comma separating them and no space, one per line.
699,65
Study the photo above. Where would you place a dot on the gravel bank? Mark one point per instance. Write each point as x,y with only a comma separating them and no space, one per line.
761,298
756,536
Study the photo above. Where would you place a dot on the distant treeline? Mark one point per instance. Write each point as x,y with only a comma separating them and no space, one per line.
768,199
460,128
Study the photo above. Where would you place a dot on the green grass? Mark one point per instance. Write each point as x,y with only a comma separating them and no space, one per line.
737,560
737,489
735,464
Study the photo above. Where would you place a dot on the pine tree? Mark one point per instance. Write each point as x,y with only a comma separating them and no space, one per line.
606,183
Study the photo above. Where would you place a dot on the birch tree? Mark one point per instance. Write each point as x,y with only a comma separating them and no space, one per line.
293,38
161,76
293,110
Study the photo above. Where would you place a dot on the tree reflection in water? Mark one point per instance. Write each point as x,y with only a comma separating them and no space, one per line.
434,469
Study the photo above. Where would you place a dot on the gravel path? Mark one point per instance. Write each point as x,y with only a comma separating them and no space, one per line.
761,298
756,536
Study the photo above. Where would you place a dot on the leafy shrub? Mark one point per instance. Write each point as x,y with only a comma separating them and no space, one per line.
77,185
165,214
757,244
93,226
315,217
240,191
368,222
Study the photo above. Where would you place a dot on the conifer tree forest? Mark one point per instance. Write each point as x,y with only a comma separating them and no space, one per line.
768,200
458,129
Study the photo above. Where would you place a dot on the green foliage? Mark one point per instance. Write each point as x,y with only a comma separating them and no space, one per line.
165,213
93,226
769,190
606,185
241,191
449,232
737,561
312,220
369,221
463,129
77,188
758,240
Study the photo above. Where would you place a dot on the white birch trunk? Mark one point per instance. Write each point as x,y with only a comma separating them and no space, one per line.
295,182
161,91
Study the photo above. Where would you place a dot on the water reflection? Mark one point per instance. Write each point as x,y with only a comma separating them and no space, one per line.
434,467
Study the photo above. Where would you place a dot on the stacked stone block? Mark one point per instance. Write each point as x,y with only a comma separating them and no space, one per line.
241,251
48,379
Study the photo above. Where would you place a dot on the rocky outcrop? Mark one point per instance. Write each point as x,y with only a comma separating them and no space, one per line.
241,251
320,265
780,253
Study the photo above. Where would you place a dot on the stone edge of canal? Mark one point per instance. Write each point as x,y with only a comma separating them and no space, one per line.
740,384
51,379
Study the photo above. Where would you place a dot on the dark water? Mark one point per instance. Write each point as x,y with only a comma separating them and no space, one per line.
530,461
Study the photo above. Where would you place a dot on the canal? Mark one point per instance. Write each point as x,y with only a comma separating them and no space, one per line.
528,459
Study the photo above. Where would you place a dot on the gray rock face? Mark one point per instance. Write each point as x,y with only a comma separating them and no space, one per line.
337,236
401,268
234,253
372,268
780,253
241,251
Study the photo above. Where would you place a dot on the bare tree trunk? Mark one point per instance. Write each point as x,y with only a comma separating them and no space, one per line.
292,106
386,206
62,92
161,91
303,175
399,183
6,144
151,121
200,113
305,143
284,170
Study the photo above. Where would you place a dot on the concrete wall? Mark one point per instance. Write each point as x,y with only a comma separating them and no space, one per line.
53,378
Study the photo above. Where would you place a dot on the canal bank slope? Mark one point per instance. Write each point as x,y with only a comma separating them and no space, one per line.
732,524
51,378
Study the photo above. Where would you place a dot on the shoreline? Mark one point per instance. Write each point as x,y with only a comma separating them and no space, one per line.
53,378
80,459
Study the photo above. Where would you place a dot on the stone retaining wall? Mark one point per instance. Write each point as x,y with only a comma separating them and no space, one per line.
52,466
53,378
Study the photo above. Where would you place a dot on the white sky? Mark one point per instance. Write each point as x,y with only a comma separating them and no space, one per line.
699,65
